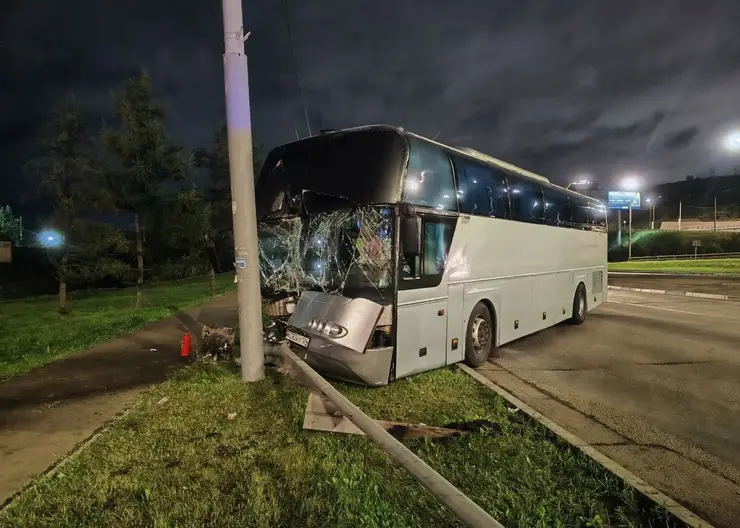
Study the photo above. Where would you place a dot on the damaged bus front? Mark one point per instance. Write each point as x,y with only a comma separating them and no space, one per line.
328,246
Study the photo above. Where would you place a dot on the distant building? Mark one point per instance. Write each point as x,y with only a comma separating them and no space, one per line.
6,250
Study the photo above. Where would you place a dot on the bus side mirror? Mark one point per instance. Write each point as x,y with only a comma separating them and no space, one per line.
410,228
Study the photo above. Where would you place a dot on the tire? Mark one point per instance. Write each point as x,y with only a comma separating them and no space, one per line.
480,335
580,305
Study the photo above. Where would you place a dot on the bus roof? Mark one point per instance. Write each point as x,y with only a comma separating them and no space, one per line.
469,152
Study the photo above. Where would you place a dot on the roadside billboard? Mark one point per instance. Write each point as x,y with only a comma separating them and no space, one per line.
623,199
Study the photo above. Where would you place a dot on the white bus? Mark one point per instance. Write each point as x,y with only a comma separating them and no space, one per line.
390,254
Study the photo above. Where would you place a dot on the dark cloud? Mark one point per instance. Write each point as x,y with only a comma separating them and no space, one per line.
562,87
681,139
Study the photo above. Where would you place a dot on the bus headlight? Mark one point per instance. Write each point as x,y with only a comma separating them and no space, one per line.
327,328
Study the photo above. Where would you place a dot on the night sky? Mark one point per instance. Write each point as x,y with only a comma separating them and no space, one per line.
562,88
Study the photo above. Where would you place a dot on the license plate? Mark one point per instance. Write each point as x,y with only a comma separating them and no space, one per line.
301,341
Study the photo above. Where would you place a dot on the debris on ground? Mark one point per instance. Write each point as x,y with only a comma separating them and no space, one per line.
483,426
230,417
163,401
322,415
217,343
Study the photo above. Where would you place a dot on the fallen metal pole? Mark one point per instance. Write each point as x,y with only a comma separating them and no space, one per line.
459,504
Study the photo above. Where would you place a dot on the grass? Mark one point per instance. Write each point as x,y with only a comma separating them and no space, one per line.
33,333
182,463
720,266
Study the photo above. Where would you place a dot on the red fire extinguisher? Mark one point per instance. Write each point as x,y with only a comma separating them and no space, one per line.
185,346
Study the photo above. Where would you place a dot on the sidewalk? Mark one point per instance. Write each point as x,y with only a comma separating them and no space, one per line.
45,413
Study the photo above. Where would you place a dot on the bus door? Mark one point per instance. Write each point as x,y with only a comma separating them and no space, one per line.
421,342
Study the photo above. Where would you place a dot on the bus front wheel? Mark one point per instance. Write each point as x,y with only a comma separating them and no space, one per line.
479,339
580,305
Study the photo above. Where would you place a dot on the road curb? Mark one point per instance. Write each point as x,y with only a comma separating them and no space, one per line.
658,497
672,275
713,296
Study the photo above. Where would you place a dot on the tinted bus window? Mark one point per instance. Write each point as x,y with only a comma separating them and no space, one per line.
526,199
481,189
557,208
348,168
598,213
429,179
581,213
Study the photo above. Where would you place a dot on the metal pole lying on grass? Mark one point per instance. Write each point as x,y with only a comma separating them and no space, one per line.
459,504
239,126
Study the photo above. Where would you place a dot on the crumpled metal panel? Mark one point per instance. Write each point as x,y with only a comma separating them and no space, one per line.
326,251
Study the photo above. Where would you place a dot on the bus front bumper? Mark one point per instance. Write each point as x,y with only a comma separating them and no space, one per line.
371,368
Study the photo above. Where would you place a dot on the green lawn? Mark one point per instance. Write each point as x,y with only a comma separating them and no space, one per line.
32,333
182,463
728,266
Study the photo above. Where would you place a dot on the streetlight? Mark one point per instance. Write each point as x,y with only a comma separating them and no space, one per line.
630,183
732,141
715,207
582,180
49,239
651,201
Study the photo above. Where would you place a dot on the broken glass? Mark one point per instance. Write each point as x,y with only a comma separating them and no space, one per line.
346,252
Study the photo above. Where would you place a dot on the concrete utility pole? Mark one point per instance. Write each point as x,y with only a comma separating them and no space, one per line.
239,126
629,255
715,207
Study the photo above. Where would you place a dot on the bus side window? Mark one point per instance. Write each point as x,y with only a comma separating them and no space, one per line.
481,189
526,200
555,204
581,213
599,217
429,180
428,267
565,217
437,240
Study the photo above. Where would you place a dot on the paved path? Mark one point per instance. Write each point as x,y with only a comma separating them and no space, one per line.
652,381
45,413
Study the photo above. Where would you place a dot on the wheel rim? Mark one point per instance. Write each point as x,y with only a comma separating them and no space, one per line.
581,305
481,334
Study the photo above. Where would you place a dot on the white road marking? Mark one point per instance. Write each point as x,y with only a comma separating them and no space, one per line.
655,307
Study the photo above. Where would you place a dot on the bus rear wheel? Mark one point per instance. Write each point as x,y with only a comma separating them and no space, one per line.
580,305
479,337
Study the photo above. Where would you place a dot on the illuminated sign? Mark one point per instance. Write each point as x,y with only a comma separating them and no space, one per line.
623,199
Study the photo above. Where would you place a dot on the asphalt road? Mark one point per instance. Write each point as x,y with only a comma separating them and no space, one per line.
653,381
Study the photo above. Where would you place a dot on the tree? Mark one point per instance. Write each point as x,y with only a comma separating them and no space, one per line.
189,230
11,227
143,161
216,162
70,185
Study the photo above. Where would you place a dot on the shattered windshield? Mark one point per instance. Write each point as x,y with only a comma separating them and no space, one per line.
337,170
346,252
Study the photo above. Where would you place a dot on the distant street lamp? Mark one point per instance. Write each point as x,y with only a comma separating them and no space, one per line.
630,183
49,238
732,141
651,202
715,207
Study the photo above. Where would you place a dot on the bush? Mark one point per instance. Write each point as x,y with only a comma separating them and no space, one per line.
180,269
646,243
